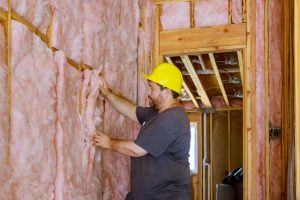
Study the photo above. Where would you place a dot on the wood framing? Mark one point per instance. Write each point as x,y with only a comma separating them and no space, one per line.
49,30
200,90
8,62
229,11
185,86
267,104
241,65
3,15
232,36
297,93
202,63
229,140
216,71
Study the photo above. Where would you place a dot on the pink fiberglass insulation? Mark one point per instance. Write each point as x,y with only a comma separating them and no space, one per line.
73,142
145,46
32,153
3,4
4,126
210,12
175,15
120,71
37,12
67,32
93,32
275,92
260,103
237,11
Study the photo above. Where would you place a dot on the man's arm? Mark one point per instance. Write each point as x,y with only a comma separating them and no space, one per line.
126,147
121,104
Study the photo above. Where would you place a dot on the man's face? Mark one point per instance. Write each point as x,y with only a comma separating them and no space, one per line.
154,94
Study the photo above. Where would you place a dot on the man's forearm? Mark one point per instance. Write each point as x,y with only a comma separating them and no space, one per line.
127,147
122,105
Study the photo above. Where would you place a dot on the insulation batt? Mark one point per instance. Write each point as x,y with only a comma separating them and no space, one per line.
67,27
3,4
237,11
211,12
37,12
77,177
175,15
4,134
32,154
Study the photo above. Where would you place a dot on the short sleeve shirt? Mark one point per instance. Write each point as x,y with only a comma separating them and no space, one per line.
163,173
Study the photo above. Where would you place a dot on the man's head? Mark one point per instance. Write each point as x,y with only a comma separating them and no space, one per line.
165,81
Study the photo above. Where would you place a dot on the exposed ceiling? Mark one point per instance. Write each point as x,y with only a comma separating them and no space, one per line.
211,76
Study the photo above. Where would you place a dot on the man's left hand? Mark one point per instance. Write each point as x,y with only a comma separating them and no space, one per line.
102,140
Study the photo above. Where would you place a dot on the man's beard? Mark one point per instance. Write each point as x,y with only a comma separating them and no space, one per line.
152,103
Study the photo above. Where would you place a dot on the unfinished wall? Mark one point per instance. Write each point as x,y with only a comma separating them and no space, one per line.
50,99
275,18
32,156
4,126
236,139
219,148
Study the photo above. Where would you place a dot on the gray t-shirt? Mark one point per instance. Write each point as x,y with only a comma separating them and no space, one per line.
163,173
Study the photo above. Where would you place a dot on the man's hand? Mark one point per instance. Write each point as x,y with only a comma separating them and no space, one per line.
104,90
102,140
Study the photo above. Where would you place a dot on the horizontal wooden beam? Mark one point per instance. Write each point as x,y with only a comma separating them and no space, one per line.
215,37
200,89
170,1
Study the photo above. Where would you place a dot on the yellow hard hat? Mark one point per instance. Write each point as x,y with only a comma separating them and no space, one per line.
167,75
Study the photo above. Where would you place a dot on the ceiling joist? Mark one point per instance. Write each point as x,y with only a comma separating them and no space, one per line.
185,86
215,68
202,63
200,89
240,58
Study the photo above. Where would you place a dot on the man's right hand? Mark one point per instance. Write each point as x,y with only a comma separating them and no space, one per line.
104,90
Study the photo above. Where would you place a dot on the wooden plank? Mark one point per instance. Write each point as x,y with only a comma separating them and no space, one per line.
185,86
169,1
211,155
267,125
200,157
208,37
192,20
204,50
8,61
157,34
229,140
3,15
200,90
49,30
229,11
297,94
244,6
202,63
241,65
216,71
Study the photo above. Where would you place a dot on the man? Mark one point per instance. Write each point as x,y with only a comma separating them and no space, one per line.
159,155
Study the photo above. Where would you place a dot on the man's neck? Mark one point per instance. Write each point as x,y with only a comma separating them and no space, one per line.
169,104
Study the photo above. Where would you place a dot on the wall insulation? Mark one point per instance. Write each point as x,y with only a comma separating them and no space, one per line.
47,150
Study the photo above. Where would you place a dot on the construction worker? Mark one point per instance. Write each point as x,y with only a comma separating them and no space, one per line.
159,155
